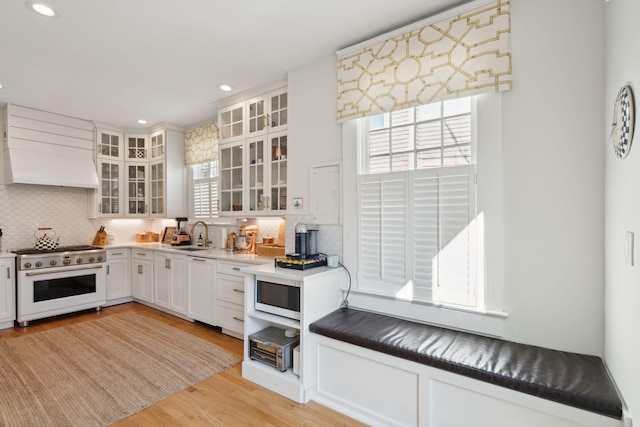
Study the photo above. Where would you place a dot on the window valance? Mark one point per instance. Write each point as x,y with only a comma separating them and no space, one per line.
201,145
465,55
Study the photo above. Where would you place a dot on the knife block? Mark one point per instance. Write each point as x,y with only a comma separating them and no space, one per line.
100,239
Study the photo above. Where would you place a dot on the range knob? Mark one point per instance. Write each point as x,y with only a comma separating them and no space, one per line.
79,261
38,264
27,265
91,259
100,259
66,261
53,262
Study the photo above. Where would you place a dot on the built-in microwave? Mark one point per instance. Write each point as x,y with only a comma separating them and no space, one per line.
280,298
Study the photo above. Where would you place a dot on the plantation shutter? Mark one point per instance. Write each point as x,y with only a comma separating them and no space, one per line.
415,233
205,197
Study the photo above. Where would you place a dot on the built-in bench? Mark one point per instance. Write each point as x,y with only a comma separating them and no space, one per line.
578,380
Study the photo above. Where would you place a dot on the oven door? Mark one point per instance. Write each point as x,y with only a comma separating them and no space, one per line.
49,292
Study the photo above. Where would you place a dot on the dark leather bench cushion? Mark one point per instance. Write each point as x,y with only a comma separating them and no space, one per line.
569,378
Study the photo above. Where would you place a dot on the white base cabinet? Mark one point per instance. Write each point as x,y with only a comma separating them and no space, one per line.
142,275
230,298
319,295
118,284
381,390
7,292
201,283
170,287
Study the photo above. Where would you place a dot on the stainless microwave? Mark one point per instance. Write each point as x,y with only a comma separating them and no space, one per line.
282,299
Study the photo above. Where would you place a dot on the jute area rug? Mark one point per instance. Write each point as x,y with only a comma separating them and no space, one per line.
100,371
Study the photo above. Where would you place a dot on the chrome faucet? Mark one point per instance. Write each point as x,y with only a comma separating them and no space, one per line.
207,242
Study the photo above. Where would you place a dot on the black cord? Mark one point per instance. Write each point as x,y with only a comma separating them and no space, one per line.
345,301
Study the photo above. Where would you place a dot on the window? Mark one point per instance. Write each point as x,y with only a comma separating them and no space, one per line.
205,190
416,203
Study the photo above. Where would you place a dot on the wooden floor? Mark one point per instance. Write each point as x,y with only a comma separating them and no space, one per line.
225,399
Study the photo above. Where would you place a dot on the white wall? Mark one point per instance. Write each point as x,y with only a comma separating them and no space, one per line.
553,144
314,135
622,207
552,176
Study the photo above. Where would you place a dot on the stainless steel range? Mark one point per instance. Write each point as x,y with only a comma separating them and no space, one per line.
59,281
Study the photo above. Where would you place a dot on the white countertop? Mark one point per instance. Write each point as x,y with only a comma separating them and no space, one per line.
270,270
4,254
214,253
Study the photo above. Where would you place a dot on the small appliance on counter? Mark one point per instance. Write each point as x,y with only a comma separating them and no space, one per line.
182,237
306,254
246,239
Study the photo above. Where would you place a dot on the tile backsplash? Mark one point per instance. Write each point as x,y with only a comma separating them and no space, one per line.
25,208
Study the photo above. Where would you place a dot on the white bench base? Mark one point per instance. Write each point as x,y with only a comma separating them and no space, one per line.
383,390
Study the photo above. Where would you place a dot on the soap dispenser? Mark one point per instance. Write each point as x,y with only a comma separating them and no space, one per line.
200,240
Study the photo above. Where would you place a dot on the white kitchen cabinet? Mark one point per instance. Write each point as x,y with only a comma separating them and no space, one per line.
118,284
231,178
141,175
231,121
253,151
137,149
142,275
230,298
168,175
137,179
319,295
7,292
110,164
170,284
201,284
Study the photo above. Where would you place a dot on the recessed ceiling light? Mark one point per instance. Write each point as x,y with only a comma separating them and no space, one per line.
41,8
142,121
225,87
1,87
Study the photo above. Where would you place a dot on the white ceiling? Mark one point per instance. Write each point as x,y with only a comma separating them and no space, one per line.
116,61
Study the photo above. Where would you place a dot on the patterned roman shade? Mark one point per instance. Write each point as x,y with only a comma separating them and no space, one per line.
465,55
201,145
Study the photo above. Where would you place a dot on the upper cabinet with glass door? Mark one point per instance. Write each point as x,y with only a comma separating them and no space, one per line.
157,145
110,164
231,122
136,148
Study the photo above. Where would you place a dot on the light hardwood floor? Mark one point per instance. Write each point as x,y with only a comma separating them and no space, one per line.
225,399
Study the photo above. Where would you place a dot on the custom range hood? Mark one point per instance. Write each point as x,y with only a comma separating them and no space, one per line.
31,167
48,149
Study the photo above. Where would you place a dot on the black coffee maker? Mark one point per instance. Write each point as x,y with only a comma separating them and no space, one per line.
306,242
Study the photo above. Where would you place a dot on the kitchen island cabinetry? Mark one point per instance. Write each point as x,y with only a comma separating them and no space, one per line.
142,275
7,292
170,284
230,298
118,284
319,295
201,283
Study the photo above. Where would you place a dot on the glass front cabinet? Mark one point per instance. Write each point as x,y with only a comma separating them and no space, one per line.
253,156
141,175
110,164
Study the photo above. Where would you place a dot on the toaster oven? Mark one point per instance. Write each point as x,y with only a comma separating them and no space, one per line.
271,347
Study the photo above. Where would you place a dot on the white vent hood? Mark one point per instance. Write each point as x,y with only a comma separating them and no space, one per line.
48,149
31,167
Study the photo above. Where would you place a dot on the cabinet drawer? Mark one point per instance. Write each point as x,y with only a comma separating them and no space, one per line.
231,317
118,253
230,267
142,254
231,289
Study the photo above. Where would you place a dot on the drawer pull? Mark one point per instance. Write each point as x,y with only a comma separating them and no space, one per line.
236,268
239,319
116,253
197,259
141,253
239,290
8,272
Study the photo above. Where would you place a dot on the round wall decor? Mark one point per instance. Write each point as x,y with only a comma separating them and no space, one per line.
623,122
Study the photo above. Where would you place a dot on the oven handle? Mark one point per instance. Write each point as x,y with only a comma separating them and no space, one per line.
64,270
